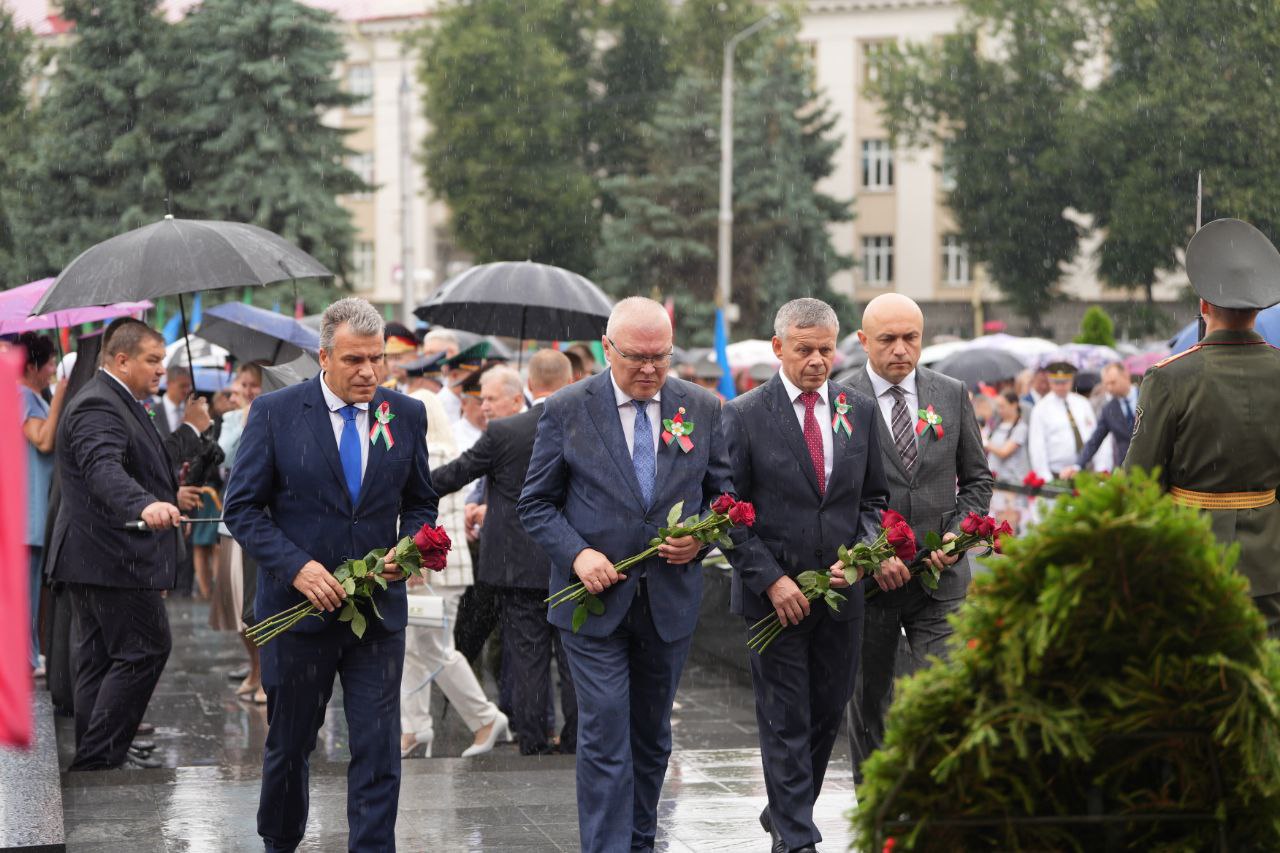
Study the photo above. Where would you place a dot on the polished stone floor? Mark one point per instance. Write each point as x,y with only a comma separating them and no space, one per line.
205,797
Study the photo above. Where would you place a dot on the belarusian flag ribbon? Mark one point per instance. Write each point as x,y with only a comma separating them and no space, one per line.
929,419
840,420
675,429
383,417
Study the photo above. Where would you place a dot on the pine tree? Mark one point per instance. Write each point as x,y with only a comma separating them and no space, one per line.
15,128
1096,327
635,74
98,164
249,143
663,239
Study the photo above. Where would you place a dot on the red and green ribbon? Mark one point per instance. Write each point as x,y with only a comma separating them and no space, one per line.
383,418
840,421
677,430
929,419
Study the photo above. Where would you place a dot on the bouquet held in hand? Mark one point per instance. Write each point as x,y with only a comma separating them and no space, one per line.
427,549
726,513
894,540
976,531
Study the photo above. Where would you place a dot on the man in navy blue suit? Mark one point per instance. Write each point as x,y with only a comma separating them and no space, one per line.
805,452
1115,419
599,486
312,487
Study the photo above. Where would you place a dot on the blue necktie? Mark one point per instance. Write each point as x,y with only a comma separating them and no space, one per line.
642,453
349,451
1128,412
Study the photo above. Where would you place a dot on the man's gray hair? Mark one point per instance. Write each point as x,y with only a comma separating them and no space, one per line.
805,313
443,336
507,377
362,318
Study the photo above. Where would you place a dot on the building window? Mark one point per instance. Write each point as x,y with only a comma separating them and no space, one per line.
947,170
877,164
955,261
362,265
362,165
871,51
877,260
360,84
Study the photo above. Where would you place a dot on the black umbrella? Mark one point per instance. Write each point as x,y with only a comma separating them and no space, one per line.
177,256
980,364
521,300
277,376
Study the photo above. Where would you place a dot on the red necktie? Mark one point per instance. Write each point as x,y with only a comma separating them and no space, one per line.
813,439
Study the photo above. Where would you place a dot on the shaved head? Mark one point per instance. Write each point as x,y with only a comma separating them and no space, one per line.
637,345
892,333
638,314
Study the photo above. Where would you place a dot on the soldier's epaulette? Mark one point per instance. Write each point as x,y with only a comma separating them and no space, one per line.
1171,359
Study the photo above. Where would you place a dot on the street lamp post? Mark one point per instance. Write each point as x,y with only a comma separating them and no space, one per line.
724,260
407,262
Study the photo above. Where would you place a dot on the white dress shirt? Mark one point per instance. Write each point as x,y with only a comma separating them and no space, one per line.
885,400
335,404
821,411
627,414
120,382
452,404
173,412
1051,443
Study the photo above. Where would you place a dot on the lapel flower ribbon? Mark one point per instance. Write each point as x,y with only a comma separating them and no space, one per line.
677,430
383,418
840,421
929,420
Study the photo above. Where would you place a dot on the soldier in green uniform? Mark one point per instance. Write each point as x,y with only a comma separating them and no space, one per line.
1209,417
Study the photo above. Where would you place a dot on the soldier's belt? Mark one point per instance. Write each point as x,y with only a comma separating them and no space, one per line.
1222,500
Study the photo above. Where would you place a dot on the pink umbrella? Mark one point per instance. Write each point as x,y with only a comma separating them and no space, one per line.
1138,364
16,305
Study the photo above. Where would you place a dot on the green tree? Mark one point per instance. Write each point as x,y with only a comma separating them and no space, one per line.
98,165
663,239
635,74
249,143
505,101
1002,123
1190,86
15,127
702,27
1096,327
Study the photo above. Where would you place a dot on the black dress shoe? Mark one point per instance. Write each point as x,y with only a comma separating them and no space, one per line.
143,745
142,760
766,821
145,728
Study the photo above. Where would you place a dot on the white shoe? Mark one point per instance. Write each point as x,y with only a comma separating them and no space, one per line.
500,728
418,749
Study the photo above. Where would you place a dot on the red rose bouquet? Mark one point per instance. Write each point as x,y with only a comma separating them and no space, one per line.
426,549
726,513
976,531
895,539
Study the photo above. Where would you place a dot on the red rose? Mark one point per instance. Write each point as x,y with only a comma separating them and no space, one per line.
1033,480
903,541
986,526
996,543
433,543
743,514
1004,529
723,504
890,518
972,523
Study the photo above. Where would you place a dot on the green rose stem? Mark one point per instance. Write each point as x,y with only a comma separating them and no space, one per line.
814,585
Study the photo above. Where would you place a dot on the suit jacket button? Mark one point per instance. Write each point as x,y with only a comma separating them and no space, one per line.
817,552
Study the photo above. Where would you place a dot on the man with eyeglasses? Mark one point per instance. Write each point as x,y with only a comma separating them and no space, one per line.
600,484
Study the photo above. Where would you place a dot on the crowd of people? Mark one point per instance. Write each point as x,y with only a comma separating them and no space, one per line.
543,477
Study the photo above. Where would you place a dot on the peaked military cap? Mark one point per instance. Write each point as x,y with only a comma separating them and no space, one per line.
1231,264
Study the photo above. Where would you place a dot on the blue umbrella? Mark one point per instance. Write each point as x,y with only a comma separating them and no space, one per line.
1268,326
255,334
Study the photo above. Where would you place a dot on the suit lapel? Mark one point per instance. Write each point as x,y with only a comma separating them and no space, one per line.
862,382
317,418
672,400
926,395
603,410
839,441
138,413
785,416
378,449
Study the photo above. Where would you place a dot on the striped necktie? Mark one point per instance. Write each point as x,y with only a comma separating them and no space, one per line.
903,437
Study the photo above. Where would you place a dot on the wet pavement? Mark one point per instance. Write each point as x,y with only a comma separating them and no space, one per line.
205,797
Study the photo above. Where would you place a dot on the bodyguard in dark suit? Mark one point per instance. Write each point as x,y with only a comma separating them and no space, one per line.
600,485
815,486
937,474
311,488
113,469
511,561
1115,419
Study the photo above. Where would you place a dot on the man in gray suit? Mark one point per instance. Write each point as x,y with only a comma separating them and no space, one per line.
937,475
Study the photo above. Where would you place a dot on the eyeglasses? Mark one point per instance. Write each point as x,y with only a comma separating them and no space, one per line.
641,360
